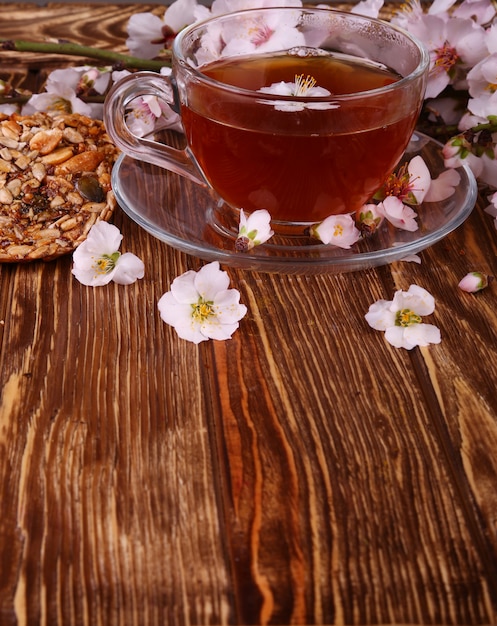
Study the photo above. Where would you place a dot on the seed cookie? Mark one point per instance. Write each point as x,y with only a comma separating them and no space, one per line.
55,183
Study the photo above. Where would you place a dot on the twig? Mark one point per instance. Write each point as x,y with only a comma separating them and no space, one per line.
72,49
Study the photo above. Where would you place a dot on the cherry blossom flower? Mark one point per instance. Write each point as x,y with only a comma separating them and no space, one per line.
200,306
337,230
148,34
244,36
150,114
409,183
300,88
474,281
65,88
482,86
253,230
398,214
455,45
401,318
97,260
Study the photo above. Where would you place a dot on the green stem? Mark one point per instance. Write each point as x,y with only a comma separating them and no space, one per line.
99,99
73,49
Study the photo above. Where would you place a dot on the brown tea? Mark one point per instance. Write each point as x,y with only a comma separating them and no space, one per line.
301,163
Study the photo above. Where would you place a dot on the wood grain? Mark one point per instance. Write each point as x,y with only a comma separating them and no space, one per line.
100,482
345,463
304,472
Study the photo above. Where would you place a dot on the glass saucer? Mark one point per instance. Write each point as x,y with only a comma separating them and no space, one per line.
192,219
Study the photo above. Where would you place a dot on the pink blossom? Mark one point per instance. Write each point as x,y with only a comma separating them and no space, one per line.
398,214
253,230
337,230
455,45
149,34
409,183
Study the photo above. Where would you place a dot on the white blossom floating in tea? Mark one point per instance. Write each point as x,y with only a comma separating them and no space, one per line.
300,88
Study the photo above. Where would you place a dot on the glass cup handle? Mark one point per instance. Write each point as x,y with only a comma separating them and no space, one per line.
142,148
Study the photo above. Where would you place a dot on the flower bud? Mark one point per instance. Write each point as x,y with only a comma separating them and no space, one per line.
474,281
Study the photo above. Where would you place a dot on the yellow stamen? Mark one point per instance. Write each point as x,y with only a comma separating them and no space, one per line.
62,105
338,232
303,85
202,310
406,317
106,263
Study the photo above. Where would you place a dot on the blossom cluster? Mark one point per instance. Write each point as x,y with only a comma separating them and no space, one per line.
462,83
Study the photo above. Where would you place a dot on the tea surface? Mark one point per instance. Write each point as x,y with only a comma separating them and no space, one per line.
339,74
300,163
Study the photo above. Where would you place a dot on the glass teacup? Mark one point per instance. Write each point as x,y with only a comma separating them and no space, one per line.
300,111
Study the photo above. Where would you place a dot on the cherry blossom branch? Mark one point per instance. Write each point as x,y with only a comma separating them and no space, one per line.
72,49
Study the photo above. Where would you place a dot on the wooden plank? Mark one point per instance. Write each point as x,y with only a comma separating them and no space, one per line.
109,511
334,472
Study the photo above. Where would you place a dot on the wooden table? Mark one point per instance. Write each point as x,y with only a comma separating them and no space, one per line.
304,472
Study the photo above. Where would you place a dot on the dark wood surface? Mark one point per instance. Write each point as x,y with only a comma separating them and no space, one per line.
304,472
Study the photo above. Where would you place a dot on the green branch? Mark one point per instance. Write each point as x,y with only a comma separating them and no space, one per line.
24,98
72,49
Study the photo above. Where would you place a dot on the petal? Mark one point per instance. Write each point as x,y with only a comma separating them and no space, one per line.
380,316
437,82
422,334
412,258
227,307
143,28
190,331
398,214
419,177
183,288
103,238
210,280
173,312
128,268
395,336
369,8
213,330
443,187
88,276
420,300
179,14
